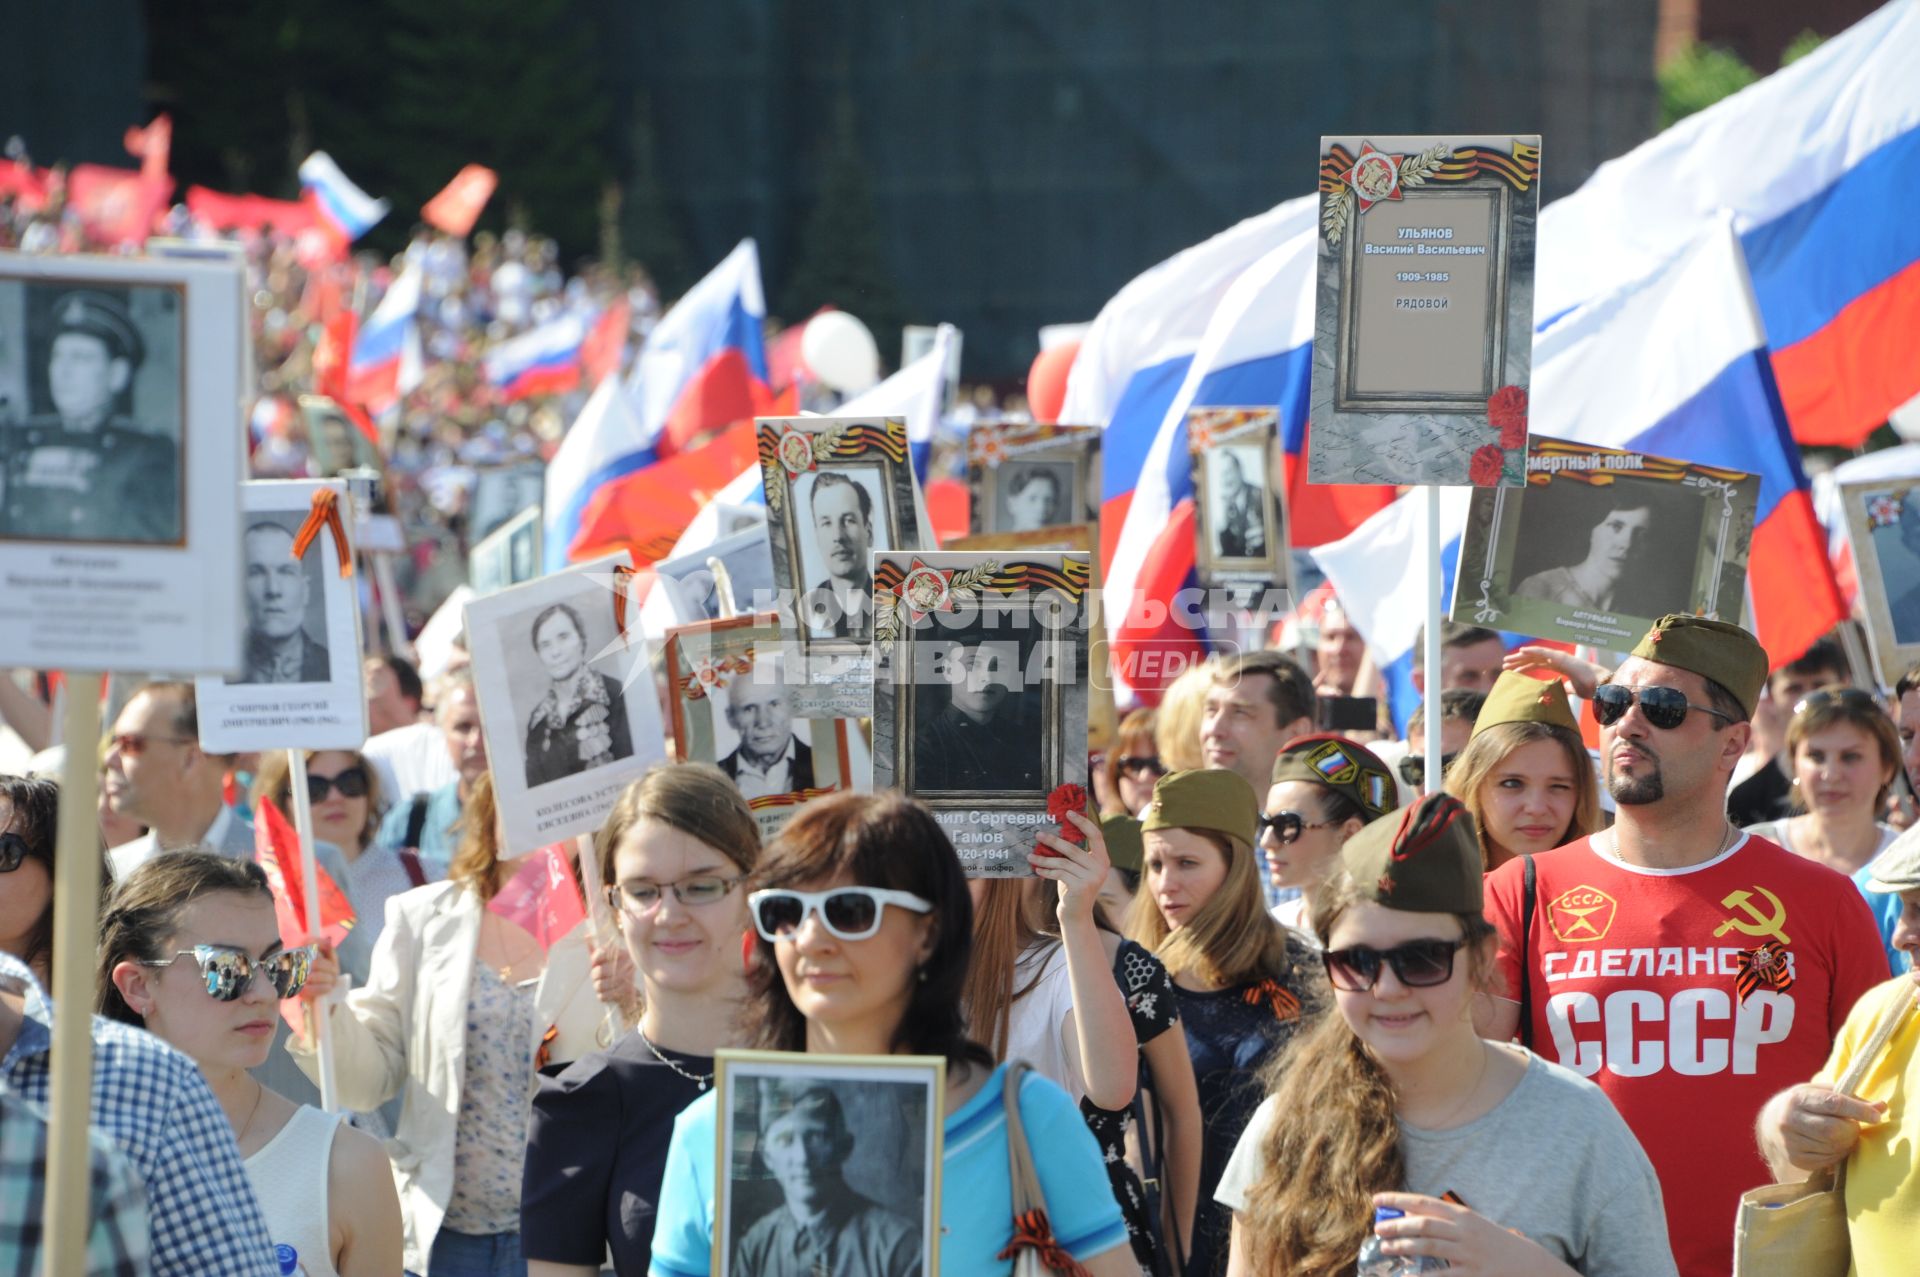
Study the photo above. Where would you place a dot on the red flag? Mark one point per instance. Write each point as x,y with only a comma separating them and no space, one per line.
600,352
455,209
277,847
645,512
29,186
543,899
116,205
152,146
257,213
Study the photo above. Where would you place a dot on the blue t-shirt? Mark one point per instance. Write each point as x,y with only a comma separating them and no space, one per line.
1886,915
976,1191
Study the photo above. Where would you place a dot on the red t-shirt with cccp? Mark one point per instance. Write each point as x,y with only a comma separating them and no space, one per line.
1690,996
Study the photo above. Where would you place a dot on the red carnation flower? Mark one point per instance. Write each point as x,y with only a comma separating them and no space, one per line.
1483,471
1063,799
1507,413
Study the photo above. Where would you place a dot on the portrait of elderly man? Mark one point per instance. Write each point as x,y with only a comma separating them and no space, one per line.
277,588
840,513
987,734
84,471
770,759
1240,523
821,1226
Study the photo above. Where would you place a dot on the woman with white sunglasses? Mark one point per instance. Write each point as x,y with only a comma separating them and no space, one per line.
190,951
864,928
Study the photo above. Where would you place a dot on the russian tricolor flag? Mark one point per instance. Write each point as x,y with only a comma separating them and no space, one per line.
386,361
705,363
1674,364
544,360
344,207
1816,164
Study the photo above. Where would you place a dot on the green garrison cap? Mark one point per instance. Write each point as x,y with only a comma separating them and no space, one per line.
1521,698
98,315
1422,859
1213,799
1340,765
1123,842
1717,650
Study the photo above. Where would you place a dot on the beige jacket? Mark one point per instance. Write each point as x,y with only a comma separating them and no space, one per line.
408,1028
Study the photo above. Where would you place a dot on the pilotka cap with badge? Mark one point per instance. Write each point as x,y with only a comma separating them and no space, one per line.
1341,765
1422,859
1213,799
1521,698
1714,650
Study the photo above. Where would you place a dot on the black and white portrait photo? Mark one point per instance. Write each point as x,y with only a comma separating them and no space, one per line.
500,492
978,722
1031,495
766,757
91,406
831,1168
285,602
508,555
578,721
1623,547
1900,568
1238,507
840,517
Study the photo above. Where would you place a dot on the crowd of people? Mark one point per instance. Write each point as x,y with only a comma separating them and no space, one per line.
1271,1009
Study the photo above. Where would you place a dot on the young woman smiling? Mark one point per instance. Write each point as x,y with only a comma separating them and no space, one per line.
1525,775
865,926
674,856
1393,1116
1241,980
190,951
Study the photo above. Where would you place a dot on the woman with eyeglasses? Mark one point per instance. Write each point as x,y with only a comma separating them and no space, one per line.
1132,766
1844,752
674,855
864,929
190,951
1393,1118
1241,980
1525,774
461,1009
1325,790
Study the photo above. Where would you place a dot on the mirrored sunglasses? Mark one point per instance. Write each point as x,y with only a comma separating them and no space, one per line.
848,913
229,972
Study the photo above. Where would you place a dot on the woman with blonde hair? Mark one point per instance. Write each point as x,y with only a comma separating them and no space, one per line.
1176,726
1241,981
674,856
1132,765
1392,1125
460,1010
1525,774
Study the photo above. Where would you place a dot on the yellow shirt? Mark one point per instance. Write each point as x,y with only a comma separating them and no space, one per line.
1883,1189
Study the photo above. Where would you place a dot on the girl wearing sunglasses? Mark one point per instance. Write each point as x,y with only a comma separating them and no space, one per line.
1241,980
864,929
1393,1116
674,856
190,951
1325,790
1132,765
1844,753
29,815
1525,774
460,1011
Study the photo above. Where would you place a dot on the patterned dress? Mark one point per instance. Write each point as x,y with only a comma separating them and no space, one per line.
1150,1001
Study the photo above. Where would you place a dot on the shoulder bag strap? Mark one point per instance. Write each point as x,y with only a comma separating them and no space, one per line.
1889,1021
410,861
1528,877
416,822
1032,1230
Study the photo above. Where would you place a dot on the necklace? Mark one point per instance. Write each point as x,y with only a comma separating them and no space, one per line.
259,1093
698,1080
1728,834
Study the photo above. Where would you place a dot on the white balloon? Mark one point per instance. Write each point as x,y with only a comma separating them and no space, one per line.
840,352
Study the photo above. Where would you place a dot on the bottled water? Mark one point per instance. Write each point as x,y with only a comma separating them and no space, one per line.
1373,1263
289,1261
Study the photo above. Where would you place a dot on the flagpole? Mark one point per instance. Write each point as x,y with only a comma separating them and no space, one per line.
75,898
1430,656
613,1020
310,881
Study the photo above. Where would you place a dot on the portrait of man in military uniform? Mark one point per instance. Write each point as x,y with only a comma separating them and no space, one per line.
78,466
978,725
1239,504
282,598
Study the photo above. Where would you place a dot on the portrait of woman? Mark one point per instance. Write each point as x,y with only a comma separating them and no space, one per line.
1616,546
581,722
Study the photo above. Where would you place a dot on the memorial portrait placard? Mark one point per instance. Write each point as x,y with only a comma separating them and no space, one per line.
1883,523
1423,324
732,707
120,462
693,588
838,490
1601,543
851,1139
1029,475
299,684
1240,531
508,555
566,699
980,696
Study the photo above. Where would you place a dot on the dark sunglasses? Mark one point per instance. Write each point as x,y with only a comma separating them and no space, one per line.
13,852
1852,697
1287,826
1134,764
229,972
1413,768
1665,707
1418,964
352,783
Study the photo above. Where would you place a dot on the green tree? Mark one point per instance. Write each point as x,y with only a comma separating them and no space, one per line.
1801,45
1697,78
839,259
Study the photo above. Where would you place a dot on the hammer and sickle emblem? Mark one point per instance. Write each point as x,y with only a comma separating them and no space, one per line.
1761,924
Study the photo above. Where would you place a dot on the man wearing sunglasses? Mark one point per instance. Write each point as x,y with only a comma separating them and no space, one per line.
1690,970
157,774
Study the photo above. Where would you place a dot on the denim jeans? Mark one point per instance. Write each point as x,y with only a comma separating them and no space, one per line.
465,1255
